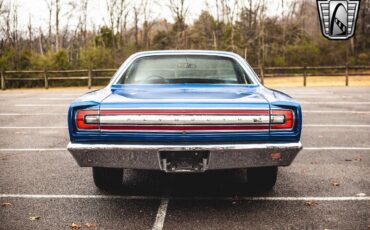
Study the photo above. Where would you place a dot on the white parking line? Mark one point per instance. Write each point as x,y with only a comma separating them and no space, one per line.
56,99
65,149
320,96
161,215
33,127
33,150
336,148
341,126
336,111
74,94
32,114
335,102
164,200
41,105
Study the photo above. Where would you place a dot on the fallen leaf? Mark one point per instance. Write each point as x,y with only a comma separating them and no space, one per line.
90,225
75,226
33,218
357,158
335,184
311,203
6,204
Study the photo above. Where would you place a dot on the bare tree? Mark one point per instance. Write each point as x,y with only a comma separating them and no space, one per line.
57,20
121,20
136,24
261,33
84,20
50,6
230,10
7,29
179,11
29,27
41,35
111,8
117,17
121,15
148,22
2,7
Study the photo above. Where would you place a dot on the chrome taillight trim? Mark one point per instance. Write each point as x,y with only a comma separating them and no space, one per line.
180,119
92,119
277,119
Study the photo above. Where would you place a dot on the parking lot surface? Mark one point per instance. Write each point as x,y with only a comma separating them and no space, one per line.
326,187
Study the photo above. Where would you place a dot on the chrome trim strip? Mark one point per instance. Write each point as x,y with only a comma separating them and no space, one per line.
185,131
189,108
161,147
181,119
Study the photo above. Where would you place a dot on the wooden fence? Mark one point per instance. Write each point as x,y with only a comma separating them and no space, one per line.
89,75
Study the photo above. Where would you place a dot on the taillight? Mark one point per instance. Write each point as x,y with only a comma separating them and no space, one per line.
132,120
282,119
87,119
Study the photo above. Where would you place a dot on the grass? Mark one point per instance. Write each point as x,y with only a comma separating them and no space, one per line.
317,81
269,82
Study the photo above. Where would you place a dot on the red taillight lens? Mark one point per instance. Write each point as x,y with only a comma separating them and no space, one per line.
81,119
282,119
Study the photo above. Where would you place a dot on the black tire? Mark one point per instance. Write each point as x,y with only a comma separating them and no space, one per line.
263,178
107,178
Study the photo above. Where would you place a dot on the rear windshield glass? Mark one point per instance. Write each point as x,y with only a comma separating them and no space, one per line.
185,69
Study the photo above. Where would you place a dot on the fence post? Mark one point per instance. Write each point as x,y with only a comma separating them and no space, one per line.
304,76
2,80
89,80
262,75
347,74
46,81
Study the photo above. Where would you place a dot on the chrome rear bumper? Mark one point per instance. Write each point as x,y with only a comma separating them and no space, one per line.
225,156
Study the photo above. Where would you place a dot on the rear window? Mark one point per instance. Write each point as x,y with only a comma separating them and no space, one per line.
185,69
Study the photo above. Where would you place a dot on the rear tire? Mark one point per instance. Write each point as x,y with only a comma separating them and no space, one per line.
263,178
107,178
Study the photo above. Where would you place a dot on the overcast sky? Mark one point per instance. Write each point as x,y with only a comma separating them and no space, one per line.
97,11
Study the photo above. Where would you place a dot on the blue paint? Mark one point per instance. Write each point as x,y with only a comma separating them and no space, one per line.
201,96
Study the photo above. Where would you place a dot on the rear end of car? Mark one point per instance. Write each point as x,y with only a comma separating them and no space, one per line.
185,127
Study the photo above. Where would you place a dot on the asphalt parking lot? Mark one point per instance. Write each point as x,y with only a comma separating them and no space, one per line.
326,187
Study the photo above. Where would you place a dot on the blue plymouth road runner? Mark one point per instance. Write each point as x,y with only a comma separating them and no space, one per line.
185,111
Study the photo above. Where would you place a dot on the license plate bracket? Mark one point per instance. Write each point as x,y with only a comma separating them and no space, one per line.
184,161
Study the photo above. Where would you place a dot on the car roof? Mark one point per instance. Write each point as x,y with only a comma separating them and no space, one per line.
186,52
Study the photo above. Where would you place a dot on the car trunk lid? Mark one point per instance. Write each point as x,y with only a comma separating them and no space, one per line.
184,113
